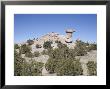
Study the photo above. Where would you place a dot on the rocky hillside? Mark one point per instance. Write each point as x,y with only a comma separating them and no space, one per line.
52,55
52,36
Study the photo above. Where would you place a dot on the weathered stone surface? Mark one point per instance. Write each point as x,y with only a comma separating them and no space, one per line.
53,37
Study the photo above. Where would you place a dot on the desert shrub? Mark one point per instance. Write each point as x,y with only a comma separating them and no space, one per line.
18,64
16,46
92,68
64,67
61,53
92,46
50,65
36,68
61,45
34,38
29,54
80,48
25,49
22,68
30,42
32,69
36,54
44,52
71,54
53,53
69,68
56,53
57,41
47,44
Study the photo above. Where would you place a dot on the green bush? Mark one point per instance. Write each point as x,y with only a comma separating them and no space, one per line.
71,54
68,68
64,67
36,54
25,49
54,54
61,53
32,69
18,64
30,42
29,54
47,44
92,47
50,65
61,45
16,46
92,68
80,48
22,68
44,52
57,41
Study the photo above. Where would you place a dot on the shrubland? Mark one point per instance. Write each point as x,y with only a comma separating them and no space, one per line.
61,60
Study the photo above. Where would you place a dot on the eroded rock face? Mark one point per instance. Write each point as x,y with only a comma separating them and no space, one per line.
52,36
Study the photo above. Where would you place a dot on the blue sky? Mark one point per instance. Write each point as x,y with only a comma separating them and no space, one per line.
29,26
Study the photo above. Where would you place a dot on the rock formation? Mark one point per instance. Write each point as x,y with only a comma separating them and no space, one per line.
53,36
